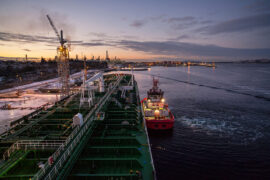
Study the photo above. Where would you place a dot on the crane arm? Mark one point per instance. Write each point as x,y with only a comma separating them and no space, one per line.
54,28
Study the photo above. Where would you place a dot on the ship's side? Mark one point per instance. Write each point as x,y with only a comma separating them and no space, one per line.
110,143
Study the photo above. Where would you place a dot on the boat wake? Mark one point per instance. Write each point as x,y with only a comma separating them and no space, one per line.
234,131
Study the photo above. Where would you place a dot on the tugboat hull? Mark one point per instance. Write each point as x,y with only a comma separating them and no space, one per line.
159,124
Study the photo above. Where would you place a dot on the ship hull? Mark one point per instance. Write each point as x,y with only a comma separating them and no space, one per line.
159,124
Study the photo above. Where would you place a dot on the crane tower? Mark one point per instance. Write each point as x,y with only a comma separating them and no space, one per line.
62,61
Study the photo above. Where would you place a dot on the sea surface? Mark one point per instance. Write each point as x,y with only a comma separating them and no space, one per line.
222,121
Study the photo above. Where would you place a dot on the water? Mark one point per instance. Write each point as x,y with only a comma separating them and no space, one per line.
222,122
26,100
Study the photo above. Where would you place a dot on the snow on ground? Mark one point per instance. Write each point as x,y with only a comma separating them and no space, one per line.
27,100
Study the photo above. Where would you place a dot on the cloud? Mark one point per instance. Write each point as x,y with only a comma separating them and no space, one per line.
50,41
181,19
179,38
102,37
206,22
259,6
238,25
4,36
181,22
175,22
61,22
28,50
130,37
141,22
92,44
181,26
190,49
98,34
166,48
157,18
36,21
138,23
50,49
109,39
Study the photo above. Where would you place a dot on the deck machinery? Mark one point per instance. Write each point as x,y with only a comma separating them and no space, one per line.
110,143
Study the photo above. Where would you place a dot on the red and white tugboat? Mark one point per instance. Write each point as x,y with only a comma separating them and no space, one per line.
156,112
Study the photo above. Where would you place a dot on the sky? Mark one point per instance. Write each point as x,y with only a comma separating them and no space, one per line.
207,30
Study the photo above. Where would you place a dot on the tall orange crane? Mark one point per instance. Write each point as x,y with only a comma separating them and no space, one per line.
62,61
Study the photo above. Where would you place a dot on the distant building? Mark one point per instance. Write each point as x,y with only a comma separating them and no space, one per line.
107,56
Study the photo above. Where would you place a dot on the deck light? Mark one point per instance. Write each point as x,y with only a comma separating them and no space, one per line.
156,112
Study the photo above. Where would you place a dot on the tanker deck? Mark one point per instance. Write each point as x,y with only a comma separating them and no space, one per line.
102,139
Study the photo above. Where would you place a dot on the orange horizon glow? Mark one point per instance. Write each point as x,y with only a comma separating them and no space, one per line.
36,52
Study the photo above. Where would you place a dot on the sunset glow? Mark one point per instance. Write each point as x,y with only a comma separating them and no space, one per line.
138,30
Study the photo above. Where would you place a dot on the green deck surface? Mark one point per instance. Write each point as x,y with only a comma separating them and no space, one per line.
113,148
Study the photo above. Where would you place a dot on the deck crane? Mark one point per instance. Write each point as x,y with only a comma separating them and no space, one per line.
62,61
60,37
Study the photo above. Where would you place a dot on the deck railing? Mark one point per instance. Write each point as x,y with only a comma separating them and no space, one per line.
32,145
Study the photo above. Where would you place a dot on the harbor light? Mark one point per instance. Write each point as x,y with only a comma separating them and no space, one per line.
163,100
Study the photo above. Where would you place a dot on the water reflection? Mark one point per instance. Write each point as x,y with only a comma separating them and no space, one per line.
218,132
28,101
